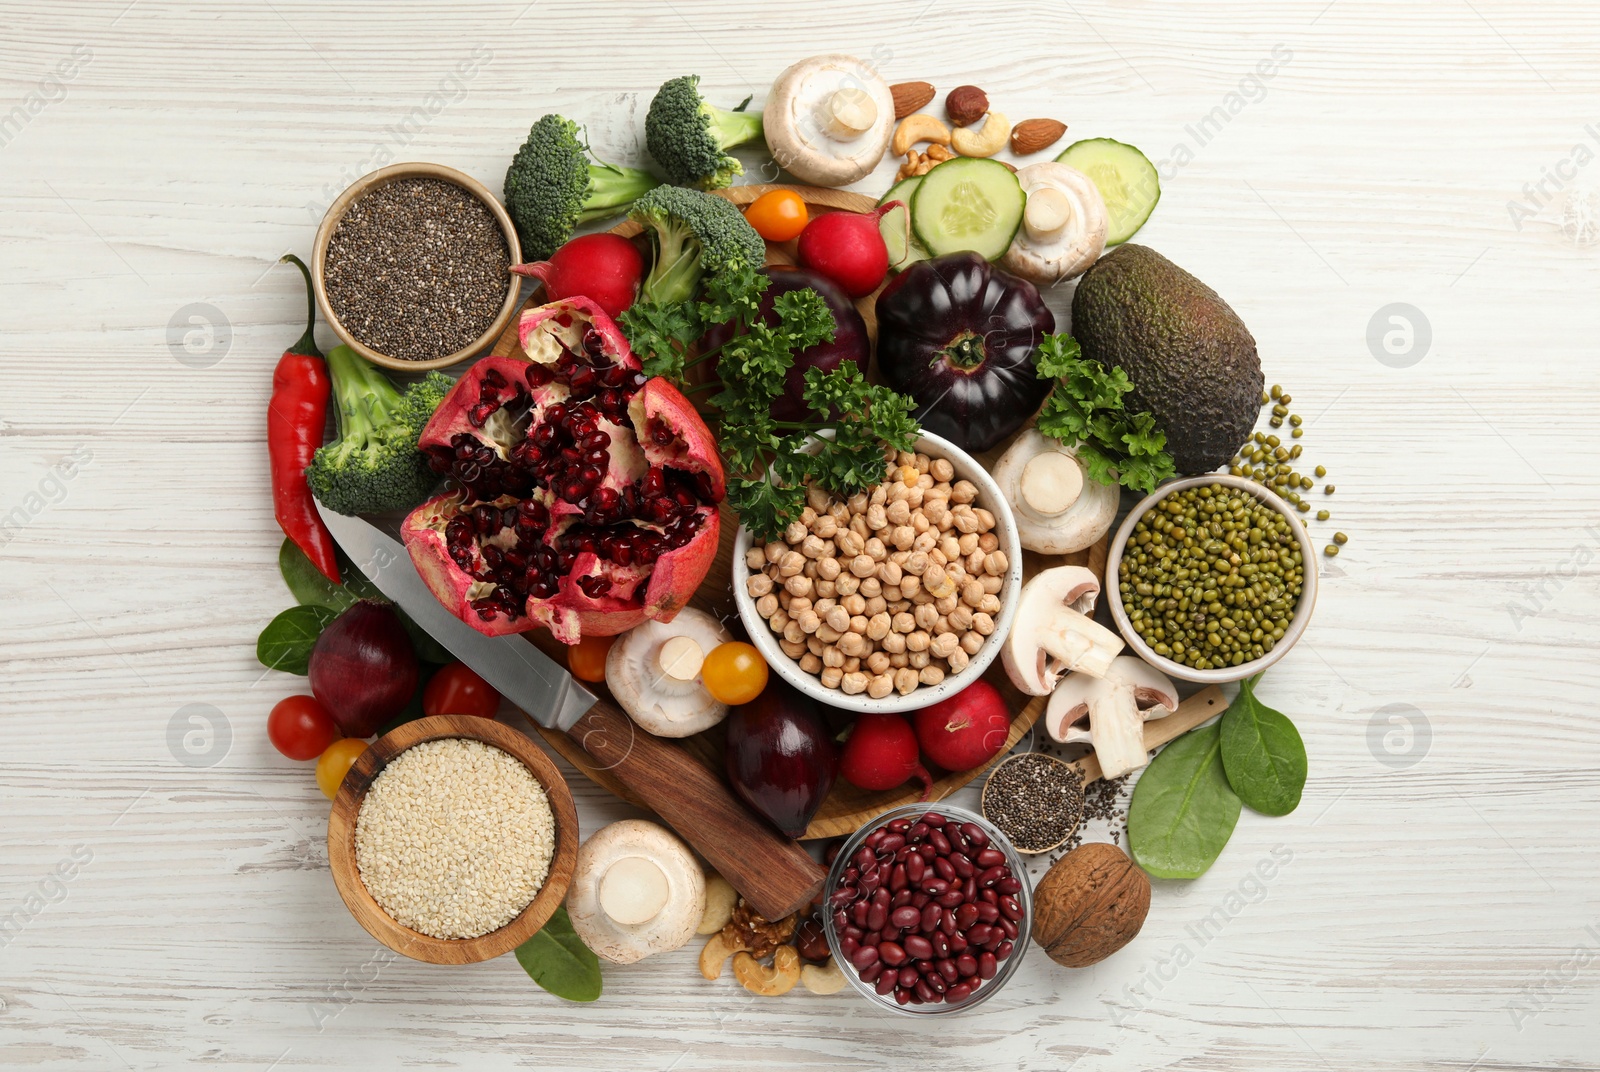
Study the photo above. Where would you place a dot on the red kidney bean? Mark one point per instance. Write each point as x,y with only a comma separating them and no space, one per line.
927,852
874,839
1010,886
1004,950
850,930
885,983
957,942
864,858
842,896
949,924
905,917
899,826
893,953
986,912
979,933
940,942
851,873
969,889
961,865
940,843
912,997
909,976
991,896
935,982
951,898
858,913
915,867
975,834
948,969
1008,928
871,937
901,997
901,898
898,878
891,842
1011,908
958,993
987,965
864,957
993,875
848,945
920,899
841,919
932,917
966,965
933,818
877,916
870,975
917,832
881,897
966,916
917,947
945,869
934,886
995,939
924,991
870,882
990,858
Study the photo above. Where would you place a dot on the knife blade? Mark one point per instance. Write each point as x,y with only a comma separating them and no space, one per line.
772,872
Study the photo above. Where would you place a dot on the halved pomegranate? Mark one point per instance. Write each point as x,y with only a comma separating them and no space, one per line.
588,492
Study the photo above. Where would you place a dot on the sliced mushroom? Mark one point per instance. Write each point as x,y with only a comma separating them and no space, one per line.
1053,633
1063,226
636,890
828,120
1110,712
653,670
1058,508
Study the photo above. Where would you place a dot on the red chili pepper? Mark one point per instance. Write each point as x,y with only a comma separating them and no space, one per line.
295,419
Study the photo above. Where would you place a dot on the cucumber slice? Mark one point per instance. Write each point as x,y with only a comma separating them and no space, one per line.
1126,179
895,226
968,204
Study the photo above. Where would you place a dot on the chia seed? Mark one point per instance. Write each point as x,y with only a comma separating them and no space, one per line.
1035,799
417,269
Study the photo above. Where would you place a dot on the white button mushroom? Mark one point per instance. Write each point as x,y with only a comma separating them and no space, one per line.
653,671
636,890
1063,225
828,120
1058,507
1115,708
1053,633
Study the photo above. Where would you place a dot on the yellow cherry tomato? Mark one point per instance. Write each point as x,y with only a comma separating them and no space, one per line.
778,216
587,658
735,672
335,762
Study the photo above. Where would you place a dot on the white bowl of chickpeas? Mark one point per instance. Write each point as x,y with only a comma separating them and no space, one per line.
891,600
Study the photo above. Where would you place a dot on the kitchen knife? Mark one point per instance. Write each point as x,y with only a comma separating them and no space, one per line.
773,873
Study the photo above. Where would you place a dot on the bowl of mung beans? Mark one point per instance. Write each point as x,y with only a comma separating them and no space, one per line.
412,267
1211,578
890,600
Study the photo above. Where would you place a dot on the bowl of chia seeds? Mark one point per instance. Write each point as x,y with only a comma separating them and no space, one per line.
1211,578
412,267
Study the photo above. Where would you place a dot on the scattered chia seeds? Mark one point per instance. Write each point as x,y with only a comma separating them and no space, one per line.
417,269
1036,800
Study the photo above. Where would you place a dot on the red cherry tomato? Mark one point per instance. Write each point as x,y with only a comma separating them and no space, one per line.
300,727
457,690
778,216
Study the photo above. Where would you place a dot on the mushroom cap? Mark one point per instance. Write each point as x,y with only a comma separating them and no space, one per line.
636,890
653,672
1153,694
1064,232
1058,507
1053,632
798,131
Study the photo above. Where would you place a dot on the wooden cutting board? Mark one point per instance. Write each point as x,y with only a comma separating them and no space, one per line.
846,807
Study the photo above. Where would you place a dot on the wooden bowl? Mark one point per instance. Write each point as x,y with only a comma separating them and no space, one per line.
382,177
342,841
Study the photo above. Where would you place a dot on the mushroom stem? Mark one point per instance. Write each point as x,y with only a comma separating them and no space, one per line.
633,890
848,113
1117,728
1082,644
1051,483
680,658
1047,213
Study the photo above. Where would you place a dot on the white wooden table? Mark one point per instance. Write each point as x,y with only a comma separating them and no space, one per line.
1434,902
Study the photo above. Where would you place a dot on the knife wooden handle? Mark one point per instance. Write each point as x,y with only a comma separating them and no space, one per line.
772,872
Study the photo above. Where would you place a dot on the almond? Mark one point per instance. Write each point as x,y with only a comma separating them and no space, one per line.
910,97
1032,135
966,105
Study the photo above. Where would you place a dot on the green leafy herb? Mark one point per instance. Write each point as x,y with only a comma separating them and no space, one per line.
286,643
308,586
1085,410
557,960
1183,810
1262,753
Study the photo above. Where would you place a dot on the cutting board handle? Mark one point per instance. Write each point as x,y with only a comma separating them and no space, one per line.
773,873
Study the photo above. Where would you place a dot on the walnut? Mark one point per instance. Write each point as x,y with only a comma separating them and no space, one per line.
1090,904
756,935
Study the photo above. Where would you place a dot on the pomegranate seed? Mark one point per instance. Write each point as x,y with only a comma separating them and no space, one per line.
538,375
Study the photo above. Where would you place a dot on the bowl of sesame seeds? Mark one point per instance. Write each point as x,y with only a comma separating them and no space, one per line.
453,839
412,267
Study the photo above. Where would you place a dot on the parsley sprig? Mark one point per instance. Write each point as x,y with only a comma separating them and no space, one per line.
1085,411
842,448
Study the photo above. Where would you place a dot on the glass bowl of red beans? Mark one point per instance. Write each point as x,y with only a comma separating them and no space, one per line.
928,909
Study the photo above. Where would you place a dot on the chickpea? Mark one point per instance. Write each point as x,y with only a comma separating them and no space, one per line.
823,589
903,536
831,676
853,683
903,623
943,645
924,482
854,644
968,543
851,665
989,604
811,568
755,558
935,581
832,656
935,512
941,469
778,621
966,523
931,674
791,564
775,551
794,533
816,498
799,585
918,640
767,605
889,572
847,583
878,496
784,597
815,646
879,686
916,563
921,462
972,594
858,525
878,517
794,634
863,565
914,498
918,659
905,681
992,584
873,605
840,512
946,604
878,626
925,616
925,541
941,624
995,563
909,587
807,516
828,634
974,562
950,547
855,603
876,550
963,491
857,502
849,544
985,519
904,457
987,542
899,660
823,606
921,597
810,663
893,643
870,587
878,662
826,527
758,585
808,621
792,650
983,624
908,475
811,547
828,568
971,642
958,661
898,513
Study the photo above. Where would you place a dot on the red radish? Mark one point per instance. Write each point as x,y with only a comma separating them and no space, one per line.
881,753
605,268
967,730
848,248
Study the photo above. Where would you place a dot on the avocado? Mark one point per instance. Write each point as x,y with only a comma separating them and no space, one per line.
1192,361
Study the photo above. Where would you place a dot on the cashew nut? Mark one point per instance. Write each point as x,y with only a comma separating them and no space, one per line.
716,953
826,979
990,139
922,127
768,982
719,904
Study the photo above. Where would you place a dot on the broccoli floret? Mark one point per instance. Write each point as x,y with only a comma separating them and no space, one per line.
687,136
693,233
552,186
375,466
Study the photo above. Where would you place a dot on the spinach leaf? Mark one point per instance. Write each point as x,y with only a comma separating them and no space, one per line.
309,587
286,643
1183,811
557,960
1262,754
